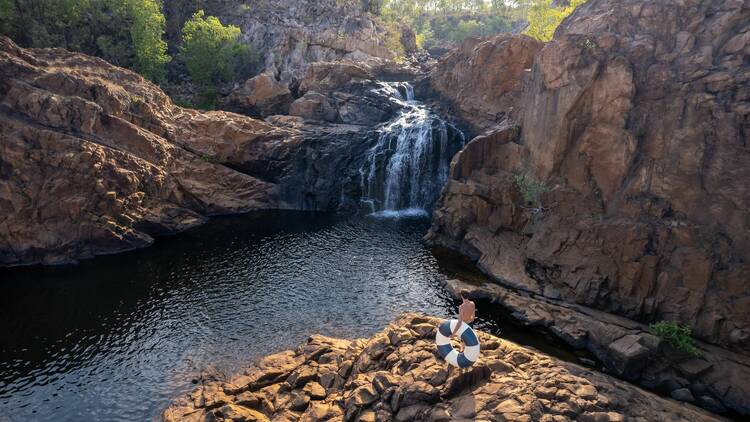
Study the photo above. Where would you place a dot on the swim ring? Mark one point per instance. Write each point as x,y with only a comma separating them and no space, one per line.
469,338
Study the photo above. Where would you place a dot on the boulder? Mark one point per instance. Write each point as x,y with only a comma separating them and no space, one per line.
682,394
483,77
261,95
633,119
313,106
627,356
408,39
330,76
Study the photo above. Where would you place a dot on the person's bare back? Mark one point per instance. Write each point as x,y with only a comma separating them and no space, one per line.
465,313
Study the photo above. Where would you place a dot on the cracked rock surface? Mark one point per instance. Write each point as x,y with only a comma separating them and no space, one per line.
396,376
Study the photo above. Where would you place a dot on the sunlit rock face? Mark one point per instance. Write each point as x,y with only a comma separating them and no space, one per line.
636,118
94,159
397,375
483,77
289,36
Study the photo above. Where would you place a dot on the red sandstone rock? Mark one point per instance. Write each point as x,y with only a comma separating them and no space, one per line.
261,94
483,77
328,76
405,380
636,118
94,159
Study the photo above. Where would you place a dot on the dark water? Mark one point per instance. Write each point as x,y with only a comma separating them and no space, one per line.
117,337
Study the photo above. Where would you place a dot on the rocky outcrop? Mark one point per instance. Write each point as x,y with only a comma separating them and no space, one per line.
261,95
635,117
128,164
483,77
94,159
325,171
396,375
717,379
289,36
330,76
408,40
344,92
315,106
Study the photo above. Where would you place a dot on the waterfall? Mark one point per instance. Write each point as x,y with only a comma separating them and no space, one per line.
408,165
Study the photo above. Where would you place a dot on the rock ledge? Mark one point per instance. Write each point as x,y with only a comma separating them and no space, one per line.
395,375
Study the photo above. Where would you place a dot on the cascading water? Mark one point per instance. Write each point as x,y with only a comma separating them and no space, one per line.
408,166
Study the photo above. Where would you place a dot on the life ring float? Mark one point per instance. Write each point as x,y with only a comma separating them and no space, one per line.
469,338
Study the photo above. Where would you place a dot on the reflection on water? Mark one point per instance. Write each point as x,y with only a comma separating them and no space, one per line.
117,337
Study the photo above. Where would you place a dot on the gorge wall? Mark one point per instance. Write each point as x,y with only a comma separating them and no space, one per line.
482,78
95,159
636,118
289,36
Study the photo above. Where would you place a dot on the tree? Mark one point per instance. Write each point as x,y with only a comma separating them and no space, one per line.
7,16
211,51
147,33
544,18
127,33
450,20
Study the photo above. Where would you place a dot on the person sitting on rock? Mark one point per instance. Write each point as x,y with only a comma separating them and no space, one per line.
465,313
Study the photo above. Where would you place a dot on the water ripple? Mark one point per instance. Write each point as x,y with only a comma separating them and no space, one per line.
115,338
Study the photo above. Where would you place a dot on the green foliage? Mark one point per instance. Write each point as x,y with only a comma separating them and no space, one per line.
212,52
393,37
531,189
544,18
147,32
183,103
465,28
45,23
7,15
446,20
420,39
124,32
208,99
373,6
679,336
114,50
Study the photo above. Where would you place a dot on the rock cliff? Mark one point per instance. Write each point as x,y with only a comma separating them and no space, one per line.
289,36
716,379
396,375
94,159
635,119
482,77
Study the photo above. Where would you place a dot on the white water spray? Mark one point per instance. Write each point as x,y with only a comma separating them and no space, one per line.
408,166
